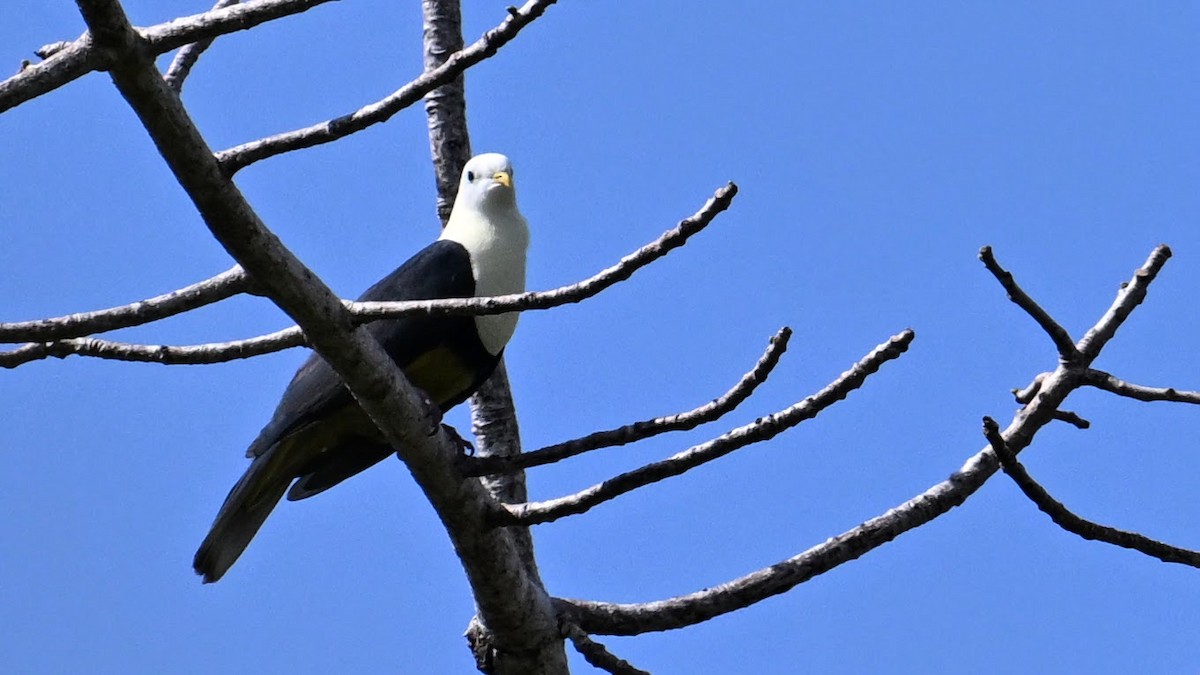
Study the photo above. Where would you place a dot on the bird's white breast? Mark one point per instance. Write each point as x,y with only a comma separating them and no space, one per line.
497,244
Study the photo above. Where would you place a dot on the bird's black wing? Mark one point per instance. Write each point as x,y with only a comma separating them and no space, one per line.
440,270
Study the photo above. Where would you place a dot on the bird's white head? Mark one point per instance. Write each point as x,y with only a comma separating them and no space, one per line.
485,213
487,184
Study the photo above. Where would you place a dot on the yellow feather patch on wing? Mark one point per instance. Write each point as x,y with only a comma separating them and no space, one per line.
440,373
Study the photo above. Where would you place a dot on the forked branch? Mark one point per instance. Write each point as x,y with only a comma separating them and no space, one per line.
604,618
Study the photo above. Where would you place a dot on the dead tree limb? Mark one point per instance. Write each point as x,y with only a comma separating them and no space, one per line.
604,618
1070,522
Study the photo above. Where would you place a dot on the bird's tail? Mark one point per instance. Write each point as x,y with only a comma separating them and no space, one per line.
244,511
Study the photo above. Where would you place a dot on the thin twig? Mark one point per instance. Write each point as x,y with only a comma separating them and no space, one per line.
445,106
46,51
76,59
597,654
224,285
1024,396
1072,418
631,433
237,158
1062,339
1072,523
188,54
1102,380
756,432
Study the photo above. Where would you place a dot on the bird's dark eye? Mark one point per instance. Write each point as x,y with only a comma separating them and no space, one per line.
471,176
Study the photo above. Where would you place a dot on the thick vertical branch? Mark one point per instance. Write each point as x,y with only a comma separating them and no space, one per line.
493,415
446,106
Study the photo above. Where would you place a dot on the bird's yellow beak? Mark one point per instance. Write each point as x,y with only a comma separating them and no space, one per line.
503,177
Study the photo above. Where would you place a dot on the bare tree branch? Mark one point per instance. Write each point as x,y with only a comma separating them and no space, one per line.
189,54
239,157
1072,523
1062,340
760,430
624,269
445,106
64,65
597,654
361,312
73,60
631,433
604,618
1131,295
1102,380
224,285
209,353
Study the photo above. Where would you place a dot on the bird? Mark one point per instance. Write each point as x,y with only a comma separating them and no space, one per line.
319,436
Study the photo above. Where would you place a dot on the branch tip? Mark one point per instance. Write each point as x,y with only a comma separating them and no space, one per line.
1071,418
1059,335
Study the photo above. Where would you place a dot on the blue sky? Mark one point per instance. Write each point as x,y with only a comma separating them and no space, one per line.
877,147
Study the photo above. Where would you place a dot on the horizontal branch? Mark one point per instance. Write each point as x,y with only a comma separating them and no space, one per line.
76,59
760,430
365,312
1070,522
1102,380
171,355
224,285
1062,340
237,158
667,242
631,433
